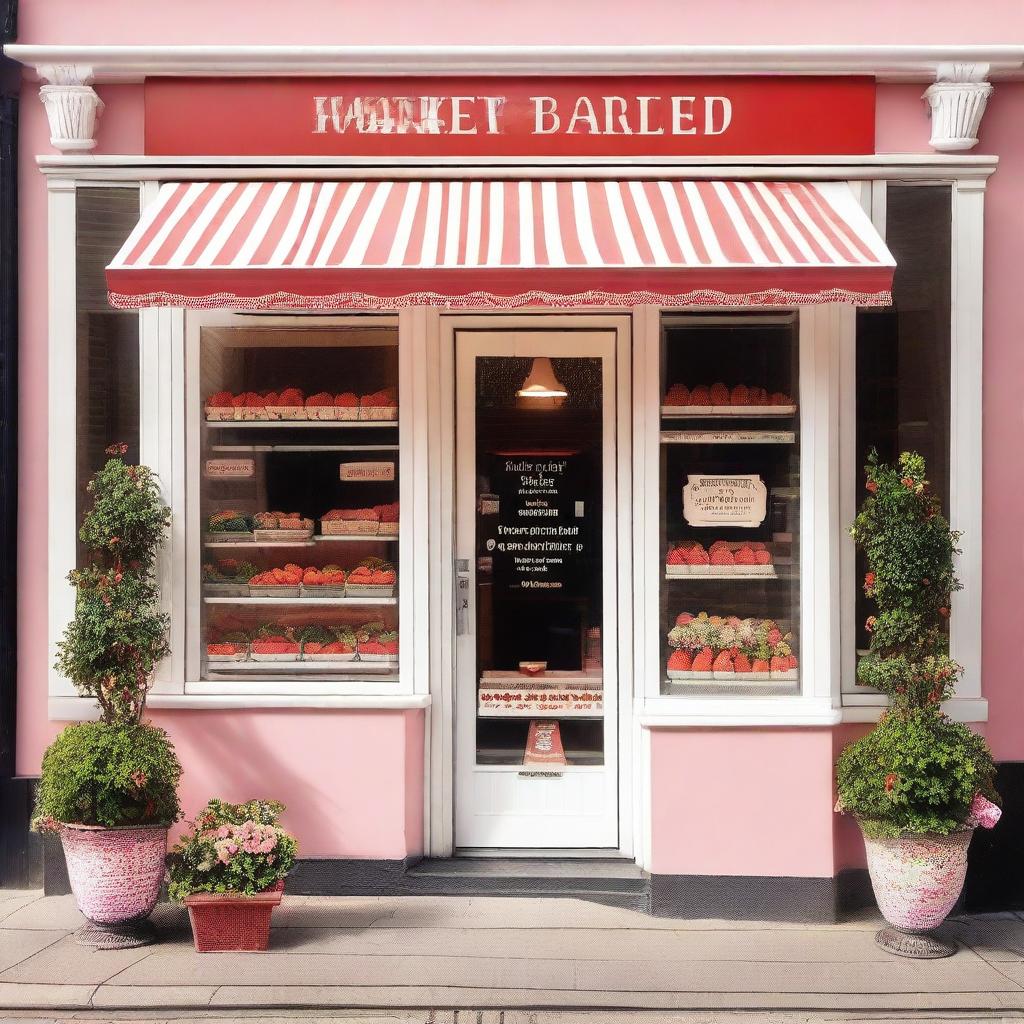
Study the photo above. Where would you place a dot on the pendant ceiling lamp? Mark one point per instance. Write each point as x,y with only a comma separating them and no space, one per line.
542,382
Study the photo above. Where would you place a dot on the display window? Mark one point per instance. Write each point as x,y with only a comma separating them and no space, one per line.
295,571
730,505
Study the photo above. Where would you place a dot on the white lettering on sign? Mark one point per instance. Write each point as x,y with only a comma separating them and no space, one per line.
238,469
724,500
483,115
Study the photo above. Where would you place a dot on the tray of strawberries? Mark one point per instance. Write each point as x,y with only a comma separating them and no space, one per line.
719,400
379,405
372,577
322,643
350,522
728,649
326,582
375,643
721,560
281,526
229,647
283,582
275,643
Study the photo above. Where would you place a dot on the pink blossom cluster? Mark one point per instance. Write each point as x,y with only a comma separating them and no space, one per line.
249,837
983,813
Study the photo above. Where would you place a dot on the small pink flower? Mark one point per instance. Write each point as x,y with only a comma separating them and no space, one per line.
268,844
139,778
983,813
270,859
223,832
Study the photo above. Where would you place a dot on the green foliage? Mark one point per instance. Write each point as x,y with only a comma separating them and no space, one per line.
909,548
917,771
111,647
236,848
95,773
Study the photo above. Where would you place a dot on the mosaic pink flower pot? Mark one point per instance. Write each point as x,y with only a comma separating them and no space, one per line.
115,875
917,880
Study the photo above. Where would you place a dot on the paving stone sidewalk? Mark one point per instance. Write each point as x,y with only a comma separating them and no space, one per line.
434,954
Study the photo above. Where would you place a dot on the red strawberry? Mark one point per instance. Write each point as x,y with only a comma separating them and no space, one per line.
723,663
741,663
760,666
675,557
745,557
697,556
763,557
779,664
723,556
680,661
703,661
719,394
740,395
700,395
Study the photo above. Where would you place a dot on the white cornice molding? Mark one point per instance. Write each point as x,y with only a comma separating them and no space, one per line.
886,63
956,102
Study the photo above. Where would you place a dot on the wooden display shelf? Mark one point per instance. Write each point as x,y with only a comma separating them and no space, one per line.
722,574
713,412
298,424
310,601
728,437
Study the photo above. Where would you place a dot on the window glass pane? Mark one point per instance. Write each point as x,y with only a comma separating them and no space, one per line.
298,481
903,358
730,505
107,370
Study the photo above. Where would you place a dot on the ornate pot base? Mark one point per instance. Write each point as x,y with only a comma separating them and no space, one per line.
917,945
125,935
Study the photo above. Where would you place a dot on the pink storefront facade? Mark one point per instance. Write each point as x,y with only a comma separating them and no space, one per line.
724,802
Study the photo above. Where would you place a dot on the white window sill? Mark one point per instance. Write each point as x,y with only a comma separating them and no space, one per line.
738,712
960,709
80,709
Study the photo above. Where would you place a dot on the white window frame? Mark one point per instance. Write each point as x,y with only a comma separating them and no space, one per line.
965,463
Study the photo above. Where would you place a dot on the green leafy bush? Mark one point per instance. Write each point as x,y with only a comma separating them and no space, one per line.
118,635
236,848
917,771
95,773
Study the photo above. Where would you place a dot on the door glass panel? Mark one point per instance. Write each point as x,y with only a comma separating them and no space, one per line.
539,485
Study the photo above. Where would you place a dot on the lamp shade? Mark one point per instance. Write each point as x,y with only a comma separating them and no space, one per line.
541,381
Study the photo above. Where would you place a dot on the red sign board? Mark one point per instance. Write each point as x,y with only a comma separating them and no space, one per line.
501,117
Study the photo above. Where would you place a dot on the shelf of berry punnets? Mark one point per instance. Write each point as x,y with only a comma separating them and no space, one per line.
704,648
721,560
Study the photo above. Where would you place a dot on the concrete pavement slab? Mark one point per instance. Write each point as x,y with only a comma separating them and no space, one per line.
44,997
50,912
68,963
150,997
17,945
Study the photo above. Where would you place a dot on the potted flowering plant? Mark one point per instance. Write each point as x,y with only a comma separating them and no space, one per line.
109,788
229,870
919,783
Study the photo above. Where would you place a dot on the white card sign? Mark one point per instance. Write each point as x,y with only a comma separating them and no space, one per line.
230,469
724,500
367,471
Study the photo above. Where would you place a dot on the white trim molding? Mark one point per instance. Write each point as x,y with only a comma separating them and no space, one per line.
905,63
71,104
956,103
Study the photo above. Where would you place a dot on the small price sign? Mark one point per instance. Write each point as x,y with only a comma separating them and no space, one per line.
230,469
724,500
368,471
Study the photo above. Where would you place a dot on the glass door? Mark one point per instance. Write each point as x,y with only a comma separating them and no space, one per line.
536,723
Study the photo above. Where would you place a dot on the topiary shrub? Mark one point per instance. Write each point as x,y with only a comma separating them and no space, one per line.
95,773
111,647
917,771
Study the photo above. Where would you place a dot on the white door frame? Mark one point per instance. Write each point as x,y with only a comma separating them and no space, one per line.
439,803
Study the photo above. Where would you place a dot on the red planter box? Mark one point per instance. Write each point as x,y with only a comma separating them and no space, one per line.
227,922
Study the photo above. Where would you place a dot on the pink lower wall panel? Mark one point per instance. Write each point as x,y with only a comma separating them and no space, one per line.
742,802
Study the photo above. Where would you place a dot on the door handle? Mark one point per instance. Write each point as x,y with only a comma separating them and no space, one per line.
462,620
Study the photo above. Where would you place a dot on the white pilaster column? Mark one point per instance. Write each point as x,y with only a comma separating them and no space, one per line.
72,106
957,101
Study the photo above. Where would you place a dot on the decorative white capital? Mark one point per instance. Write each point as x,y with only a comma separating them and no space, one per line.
72,106
956,103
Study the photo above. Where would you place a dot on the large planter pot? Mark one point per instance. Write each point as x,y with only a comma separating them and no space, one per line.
115,876
230,922
917,880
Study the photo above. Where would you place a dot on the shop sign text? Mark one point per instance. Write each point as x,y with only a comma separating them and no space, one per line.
724,500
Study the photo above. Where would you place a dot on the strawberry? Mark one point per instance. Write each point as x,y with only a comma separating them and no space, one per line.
271,398
779,664
703,661
347,399
791,661
700,395
221,400
745,557
312,577
723,556
320,400
719,394
740,395
697,556
290,396
779,398
757,396
763,557
723,663
225,648
680,661
679,394
741,663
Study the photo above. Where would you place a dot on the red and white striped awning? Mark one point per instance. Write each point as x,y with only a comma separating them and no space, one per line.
500,244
